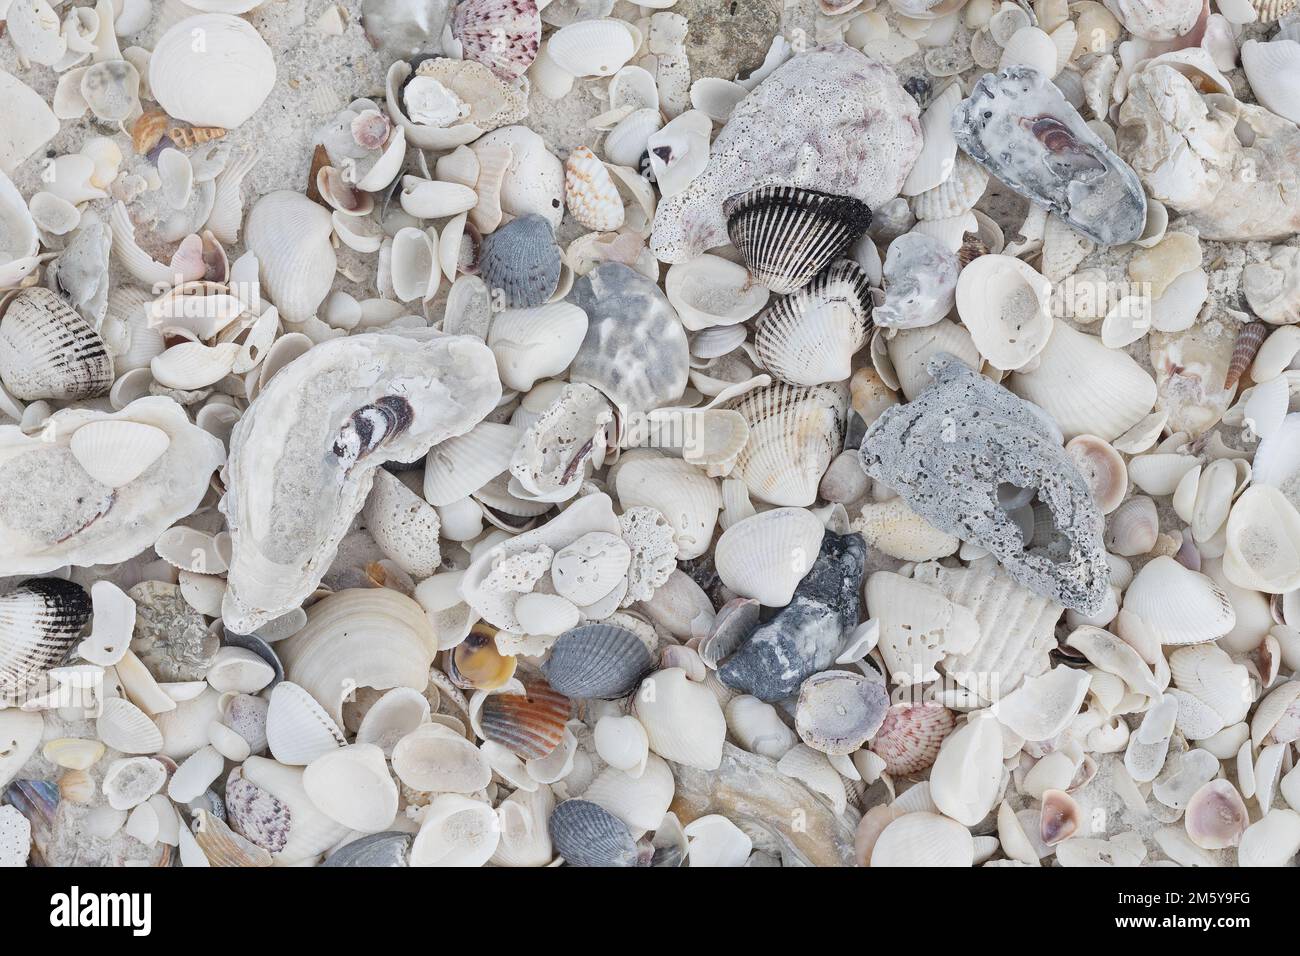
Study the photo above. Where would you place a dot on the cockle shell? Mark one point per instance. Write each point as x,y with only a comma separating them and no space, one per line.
682,719
766,555
47,350
794,433
368,393
221,82
535,343
810,336
503,35
688,499
298,730
1178,605
586,834
40,620
290,236
918,626
602,661
528,718
923,839
521,262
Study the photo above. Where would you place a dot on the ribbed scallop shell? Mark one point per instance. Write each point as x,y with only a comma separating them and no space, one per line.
531,344
255,814
810,336
387,849
766,555
602,661
117,452
503,35
590,193
956,194
794,434
909,739
39,622
787,235
586,834
530,724
290,236
1179,605
462,465
1272,10
47,350
298,729
126,728
522,260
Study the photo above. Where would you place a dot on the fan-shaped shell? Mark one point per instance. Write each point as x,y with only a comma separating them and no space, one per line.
603,661
910,735
503,35
1178,605
298,729
40,620
810,336
126,728
211,70
536,343
521,262
923,839
462,465
586,834
47,350
529,723
765,556
115,453
689,499
1263,542
290,235
794,434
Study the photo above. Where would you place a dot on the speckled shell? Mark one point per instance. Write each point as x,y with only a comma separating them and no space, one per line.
590,193
255,814
521,260
39,621
503,35
47,350
602,661
586,834
531,724
787,235
909,739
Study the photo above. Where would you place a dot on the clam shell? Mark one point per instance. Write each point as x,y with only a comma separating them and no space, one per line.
115,453
590,193
462,465
586,834
810,336
838,711
298,729
415,269
626,143
1102,468
220,83
352,785
1206,672
689,499
590,568
602,661
683,720
1273,69
794,434
923,839
387,849
456,831
910,735
592,47
965,777
787,235
1216,816
1006,306
393,716
521,262
40,621
126,728
536,343
434,758
758,727
533,183
430,199
530,724
290,235
1263,542
1178,605
47,350
621,742
710,291
639,801
766,556
503,35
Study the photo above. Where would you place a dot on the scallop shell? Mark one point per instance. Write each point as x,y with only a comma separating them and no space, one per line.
521,262
590,193
47,350
115,453
602,661
126,728
910,735
1006,306
40,621
794,434
787,235
528,721
592,47
503,35
766,556
810,336
290,235
221,82
535,343
1273,69
586,834
462,465
1178,605
683,720
626,143
298,729
923,839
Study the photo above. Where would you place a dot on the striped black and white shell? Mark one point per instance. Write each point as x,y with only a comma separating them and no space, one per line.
47,350
809,337
40,620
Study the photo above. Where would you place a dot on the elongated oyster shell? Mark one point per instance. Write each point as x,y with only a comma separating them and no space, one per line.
302,456
832,119
54,513
951,453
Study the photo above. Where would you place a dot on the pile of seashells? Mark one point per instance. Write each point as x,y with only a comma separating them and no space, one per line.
467,432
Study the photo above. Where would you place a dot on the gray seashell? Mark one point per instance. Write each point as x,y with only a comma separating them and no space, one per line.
839,710
256,815
390,848
521,260
787,235
805,636
601,661
40,620
170,637
948,452
809,337
1018,126
586,834
47,350
635,350
405,27
251,642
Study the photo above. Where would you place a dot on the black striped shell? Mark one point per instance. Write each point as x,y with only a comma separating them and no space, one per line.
47,350
40,620
521,260
601,661
530,724
586,834
787,235
809,337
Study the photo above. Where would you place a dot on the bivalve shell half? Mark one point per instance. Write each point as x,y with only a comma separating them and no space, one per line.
528,718
766,555
924,839
503,35
838,711
683,719
115,453
433,758
40,621
597,47
1263,542
456,831
590,193
47,350
794,434
602,661
298,729
711,291
810,336
352,786
909,738
290,236
1006,306
586,834
1178,605
221,82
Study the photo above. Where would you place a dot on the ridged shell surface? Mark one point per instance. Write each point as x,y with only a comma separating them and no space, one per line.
530,724
602,661
39,622
47,350
586,834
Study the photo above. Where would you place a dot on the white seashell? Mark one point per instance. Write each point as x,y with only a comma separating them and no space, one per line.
935,163
626,143
1272,841
462,465
524,838
679,152
433,758
532,344
29,123
298,729
196,773
403,524
192,365
456,831
1178,605
393,716
290,236
352,786
713,96
1030,46
813,769
683,720
918,626
766,556
910,349
534,180
221,81
1041,707
716,841
592,47
237,670
687,498
1006,306
898,531
590,568
923,839
758,727
20,735
710,291
131,781
965,778
429,199
416,271
1263,542
794,434
639,801
956,195
126,728
622,743
590,193
311,832
1273,70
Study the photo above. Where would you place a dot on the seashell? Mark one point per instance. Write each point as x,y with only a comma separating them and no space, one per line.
1178,605
455,831
640,802
590,193
1244,349
463,464
688,499
73,753
628,141
1133,528
1059,818
586,834
521,262
192,365
710,291
1263,541
1031,47
918,626
794,434
387,849
957,194
758,727
429,199
839,711
20,735
1271,841
47,350
293,829
1086,387
126,728
535,343
355,638
533,182
1272,288
195,774
967,772
40,621
909,352
908,739
115,453
476,663
289,234
298,729
1042,706
1216,816
588,569
766,556
434,758
920,276
679,152
597,661
810,336
221,84
527,718
550,460
621,742
592,47
394,715
131,781
682,719
31,123
1006,306
939,151
1102,468
238,670
503,36
403,525
787,235
923,839
352,785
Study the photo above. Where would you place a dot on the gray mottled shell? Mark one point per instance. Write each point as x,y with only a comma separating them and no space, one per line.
39,621
635,350
256,815
839,710
47,350
589,835
787,235
170,638
522,260
390,848
602,661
